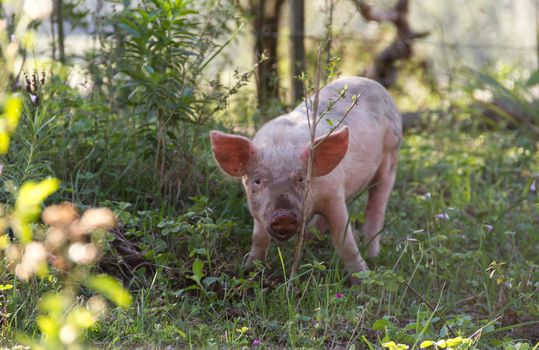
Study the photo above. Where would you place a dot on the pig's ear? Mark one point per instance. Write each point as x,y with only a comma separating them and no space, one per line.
232,152
328,152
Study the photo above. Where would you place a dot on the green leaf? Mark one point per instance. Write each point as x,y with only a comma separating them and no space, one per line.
380,325
208,281
198,268
110,288
148,69
534,79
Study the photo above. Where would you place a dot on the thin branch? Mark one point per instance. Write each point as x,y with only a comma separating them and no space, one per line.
355,100
299,243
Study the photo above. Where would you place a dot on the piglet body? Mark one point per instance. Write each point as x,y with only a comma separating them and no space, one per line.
361,153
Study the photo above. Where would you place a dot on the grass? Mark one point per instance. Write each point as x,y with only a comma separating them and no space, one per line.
459,258
474,268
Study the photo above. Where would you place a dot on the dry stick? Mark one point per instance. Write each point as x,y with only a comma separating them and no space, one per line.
312,128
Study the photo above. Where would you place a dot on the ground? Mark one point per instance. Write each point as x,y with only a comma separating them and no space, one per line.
458,258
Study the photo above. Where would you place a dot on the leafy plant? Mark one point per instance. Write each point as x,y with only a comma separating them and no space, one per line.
163,48
505,99
62,319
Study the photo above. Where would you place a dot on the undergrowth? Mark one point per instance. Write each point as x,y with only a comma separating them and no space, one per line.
458,260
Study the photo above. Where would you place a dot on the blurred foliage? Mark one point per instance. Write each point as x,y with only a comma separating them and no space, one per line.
61,319
506,98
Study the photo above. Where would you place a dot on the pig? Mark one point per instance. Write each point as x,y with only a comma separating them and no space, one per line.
359,153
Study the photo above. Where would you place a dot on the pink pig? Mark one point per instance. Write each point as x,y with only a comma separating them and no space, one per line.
361,154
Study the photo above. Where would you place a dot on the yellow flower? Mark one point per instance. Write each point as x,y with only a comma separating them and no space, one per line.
426,344
242,330
441,344
454,341
392,346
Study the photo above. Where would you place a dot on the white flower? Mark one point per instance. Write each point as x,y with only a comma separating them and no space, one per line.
81,253
68,334
37,9
532,186
33,98
442,216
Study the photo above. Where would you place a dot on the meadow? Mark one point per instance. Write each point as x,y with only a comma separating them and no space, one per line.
121,232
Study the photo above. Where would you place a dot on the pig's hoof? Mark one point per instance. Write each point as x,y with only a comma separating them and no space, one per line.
251,266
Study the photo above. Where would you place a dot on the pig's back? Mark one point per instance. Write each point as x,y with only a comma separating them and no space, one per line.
374,122
374,109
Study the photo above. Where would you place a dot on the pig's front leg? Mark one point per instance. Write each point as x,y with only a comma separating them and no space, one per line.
342,236
259,244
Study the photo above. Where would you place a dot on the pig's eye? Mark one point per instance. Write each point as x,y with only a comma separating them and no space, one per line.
256,182
301,180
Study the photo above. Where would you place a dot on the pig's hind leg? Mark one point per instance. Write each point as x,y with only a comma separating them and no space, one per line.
318,224
379,191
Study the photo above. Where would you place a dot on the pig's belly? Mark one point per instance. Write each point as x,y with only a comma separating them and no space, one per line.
359,169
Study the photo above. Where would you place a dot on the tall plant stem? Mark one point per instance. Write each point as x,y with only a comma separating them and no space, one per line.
312,128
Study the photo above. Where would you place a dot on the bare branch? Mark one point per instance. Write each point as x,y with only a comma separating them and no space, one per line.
384,69
312,124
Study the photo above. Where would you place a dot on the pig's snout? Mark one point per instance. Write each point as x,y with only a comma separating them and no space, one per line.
284,224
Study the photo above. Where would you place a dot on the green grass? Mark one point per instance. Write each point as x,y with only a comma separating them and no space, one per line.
478,182
472,273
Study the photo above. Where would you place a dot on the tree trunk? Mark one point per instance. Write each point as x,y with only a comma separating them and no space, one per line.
266,15
53,40
537,31
297,52
61,34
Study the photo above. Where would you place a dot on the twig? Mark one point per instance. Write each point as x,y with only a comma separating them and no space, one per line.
355,100
312,127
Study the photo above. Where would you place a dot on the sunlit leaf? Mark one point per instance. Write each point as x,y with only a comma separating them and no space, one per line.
31,196
4,142
111,289
5,286
47,325
81,318
28,205
53,304
441,344
12,112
